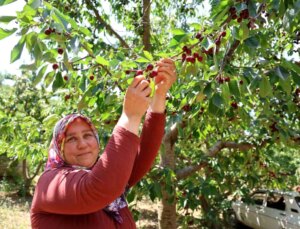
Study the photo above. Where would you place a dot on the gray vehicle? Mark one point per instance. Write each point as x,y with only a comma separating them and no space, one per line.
268,209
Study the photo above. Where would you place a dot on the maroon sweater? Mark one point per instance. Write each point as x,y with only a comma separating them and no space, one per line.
69,198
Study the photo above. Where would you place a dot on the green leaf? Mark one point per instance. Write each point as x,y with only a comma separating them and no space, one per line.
234,88
148,55
85,31
218,100
40,75
178,32
296,78
5,33
292,66
286,84
61,18
265,88
252,42
51,120
58,81
5,2
17,50
7,19
281,72
102,61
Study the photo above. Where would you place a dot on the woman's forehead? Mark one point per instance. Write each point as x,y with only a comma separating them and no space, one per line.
78,124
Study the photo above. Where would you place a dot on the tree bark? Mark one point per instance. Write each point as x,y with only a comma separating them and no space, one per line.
146,25
167,206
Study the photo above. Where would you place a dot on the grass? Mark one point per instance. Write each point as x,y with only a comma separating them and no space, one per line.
14,212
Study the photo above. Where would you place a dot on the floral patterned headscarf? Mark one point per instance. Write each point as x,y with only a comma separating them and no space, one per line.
55,158
55,152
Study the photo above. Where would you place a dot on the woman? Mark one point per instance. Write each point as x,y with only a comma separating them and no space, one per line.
81,190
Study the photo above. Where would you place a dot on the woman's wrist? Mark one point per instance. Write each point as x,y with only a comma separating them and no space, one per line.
130,123
158,103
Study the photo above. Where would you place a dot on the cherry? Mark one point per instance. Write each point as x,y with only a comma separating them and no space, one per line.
67,97
241,82
198,35
200,58
190,59
60,51
153,74
48,31
92,77
55,66
66,78
186,108
223,34
127,72
183,57
139,72
234,105
150,67
239,20
227,79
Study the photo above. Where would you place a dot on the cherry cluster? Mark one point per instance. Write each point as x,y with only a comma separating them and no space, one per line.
149,71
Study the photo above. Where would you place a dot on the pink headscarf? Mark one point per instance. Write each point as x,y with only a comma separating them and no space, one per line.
55,158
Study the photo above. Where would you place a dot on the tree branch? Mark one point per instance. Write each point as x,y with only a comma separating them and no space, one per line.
212,152
107,26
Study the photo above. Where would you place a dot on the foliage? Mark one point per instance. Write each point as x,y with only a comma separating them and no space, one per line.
236,101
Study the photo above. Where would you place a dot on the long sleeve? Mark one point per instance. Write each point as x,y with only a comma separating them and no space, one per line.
151,138
69,191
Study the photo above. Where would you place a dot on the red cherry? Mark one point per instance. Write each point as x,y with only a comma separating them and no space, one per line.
188,51
67,97
198,36
139,72
55,66
234,105
186,108
190,59
239,20
200,58
92,77
183,57
66,78
153,74
184,48
127,72
234,16
60,51
223,34
48,32
150,67
241,82
227,79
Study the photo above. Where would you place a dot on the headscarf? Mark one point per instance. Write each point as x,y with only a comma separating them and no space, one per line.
55,158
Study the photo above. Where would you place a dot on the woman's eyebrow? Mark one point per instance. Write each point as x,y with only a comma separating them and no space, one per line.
74,133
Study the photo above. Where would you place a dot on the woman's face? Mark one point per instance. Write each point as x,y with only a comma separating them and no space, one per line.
81,147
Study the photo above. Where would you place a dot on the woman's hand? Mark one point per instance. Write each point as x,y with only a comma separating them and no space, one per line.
163,81
166,76
135,104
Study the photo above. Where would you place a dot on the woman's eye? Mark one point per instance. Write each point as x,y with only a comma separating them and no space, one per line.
72,139
88,135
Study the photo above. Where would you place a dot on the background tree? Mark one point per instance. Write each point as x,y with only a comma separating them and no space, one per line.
233,116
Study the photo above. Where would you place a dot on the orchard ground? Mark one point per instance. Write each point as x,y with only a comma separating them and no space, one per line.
14,212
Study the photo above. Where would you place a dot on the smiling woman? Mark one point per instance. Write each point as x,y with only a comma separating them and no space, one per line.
82,189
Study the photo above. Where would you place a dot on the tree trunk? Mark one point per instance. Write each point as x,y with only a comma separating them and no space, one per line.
146,24
167,206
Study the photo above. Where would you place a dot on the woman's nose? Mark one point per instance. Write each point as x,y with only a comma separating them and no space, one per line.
81,143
